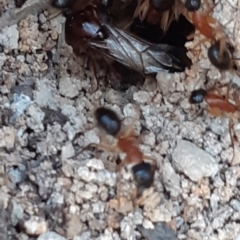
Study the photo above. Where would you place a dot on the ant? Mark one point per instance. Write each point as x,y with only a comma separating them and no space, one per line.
222,60
219,52
144,6
82,26
143,172
157,11
218,105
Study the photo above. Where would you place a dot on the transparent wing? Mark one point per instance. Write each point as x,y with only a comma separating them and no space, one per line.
137,54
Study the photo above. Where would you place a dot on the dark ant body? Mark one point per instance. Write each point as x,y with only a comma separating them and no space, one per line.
193,5
222,61
126,142
108,120
88,32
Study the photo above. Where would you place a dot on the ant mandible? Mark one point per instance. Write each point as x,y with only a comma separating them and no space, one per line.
143,172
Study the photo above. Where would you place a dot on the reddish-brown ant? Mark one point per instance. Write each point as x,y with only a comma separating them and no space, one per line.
219,53
126,142
217,104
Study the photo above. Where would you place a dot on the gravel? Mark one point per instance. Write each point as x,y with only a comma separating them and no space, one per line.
50,190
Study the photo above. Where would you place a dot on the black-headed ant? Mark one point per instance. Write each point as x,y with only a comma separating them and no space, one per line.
218,105
220,52
127,143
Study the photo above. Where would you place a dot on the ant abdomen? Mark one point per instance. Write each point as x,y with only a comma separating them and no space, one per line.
221,60
197,96
108,120
143,174
193,5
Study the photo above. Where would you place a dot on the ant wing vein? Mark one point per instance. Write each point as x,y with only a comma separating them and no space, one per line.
136,53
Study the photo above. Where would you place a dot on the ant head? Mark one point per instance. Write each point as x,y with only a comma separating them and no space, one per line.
221,59
162,5
193,5
108,120
143,174
197,96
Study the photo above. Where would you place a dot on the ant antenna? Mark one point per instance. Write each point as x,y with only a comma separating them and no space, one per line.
54,15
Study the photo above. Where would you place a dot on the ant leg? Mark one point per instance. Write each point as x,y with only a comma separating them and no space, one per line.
227,93
230,126
105,147
217,89
141,9
198,113
54,15
124,162
211,9
101,146
129,130
198,44
153,160
222,46
236,99
94,82
134,197
165,21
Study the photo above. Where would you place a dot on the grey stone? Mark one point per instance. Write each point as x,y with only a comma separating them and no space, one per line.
160,232
69,87
67,151
17,175
50,236
16,212
193,161
52,116
3,223
23,89
20,103
171,180
85,236
235,204
9,37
